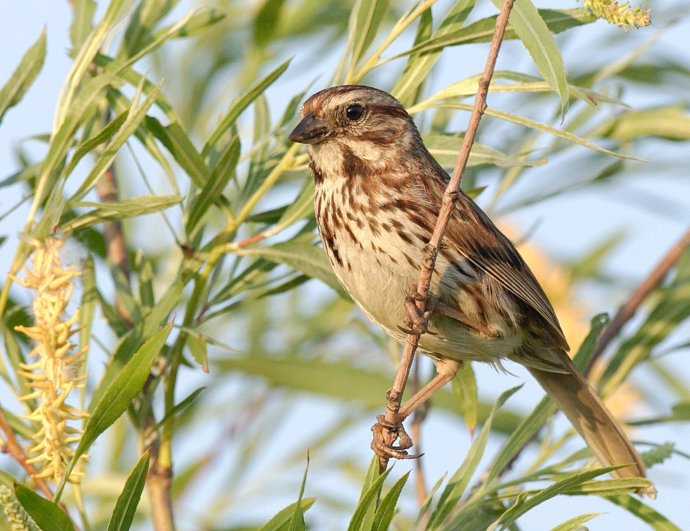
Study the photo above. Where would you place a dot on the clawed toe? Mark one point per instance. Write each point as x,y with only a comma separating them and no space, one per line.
385,434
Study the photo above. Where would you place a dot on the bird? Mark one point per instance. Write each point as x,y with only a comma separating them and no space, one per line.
378,192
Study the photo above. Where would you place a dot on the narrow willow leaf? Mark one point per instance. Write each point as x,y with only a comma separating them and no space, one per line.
523,505
128,500
133,121
302,256
386,509
445,149
458,483
198,20
343,381
363,517
199,348
420,63
47,514
367,16
576,523
240,105
483,30
465,389
82,22
180,406
103,136
266,21
283,518
48,181
644,512
297,520
539,126
534,33
83,60
114,400
138,206
23,76
180,146
214,186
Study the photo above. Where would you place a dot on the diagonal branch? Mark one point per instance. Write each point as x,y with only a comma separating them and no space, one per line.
448,205
628,310
14,449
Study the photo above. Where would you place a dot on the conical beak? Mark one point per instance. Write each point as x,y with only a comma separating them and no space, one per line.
310,130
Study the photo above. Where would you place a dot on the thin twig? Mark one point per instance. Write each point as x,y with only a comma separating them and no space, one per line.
628,310
106,188
417,419
448,205
14,450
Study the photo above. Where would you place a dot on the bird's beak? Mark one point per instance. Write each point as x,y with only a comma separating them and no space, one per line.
310,130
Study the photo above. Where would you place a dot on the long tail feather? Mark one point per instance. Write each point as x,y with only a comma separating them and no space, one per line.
578,400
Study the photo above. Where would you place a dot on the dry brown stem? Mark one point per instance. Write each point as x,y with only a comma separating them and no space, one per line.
628,310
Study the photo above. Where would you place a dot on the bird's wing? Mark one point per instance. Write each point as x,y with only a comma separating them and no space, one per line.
485,247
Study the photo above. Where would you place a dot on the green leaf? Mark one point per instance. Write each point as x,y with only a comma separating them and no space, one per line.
302,256
83,61
576,523
297,520
214,186
465,389
82,22
128,500
534,33
343,381
523,505
284,517
240,105
266,21
557,20
644,512
47,514
458,483
138,206
135,117
420,63
181,406
121,389
178,143
23,76
364,515
386,509
367,16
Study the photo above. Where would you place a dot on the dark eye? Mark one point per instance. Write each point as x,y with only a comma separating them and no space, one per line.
354,112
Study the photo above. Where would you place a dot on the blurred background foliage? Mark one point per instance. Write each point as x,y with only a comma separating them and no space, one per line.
169,175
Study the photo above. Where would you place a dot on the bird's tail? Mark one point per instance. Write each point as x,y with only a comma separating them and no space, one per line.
578,400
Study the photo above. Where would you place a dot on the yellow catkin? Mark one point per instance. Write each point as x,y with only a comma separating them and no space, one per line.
622,14
55,368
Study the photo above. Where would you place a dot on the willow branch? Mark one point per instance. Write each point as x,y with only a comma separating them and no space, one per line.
628,310
450,198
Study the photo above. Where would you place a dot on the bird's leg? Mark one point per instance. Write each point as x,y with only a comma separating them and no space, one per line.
386,433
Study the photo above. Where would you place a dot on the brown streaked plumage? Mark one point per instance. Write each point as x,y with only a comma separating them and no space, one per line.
378,194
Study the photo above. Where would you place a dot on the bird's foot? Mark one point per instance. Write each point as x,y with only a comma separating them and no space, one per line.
416,320
385,435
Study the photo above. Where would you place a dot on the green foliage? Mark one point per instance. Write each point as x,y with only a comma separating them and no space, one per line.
169,169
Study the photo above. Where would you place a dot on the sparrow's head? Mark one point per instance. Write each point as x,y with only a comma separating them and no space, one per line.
353,113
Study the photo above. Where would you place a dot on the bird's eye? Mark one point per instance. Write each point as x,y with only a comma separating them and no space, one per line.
354,112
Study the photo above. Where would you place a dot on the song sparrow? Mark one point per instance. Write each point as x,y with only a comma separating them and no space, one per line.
378,194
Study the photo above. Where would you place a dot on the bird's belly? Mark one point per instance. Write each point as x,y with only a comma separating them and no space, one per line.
379,280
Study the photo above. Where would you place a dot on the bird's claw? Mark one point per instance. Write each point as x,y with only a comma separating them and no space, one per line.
416,322
385,434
